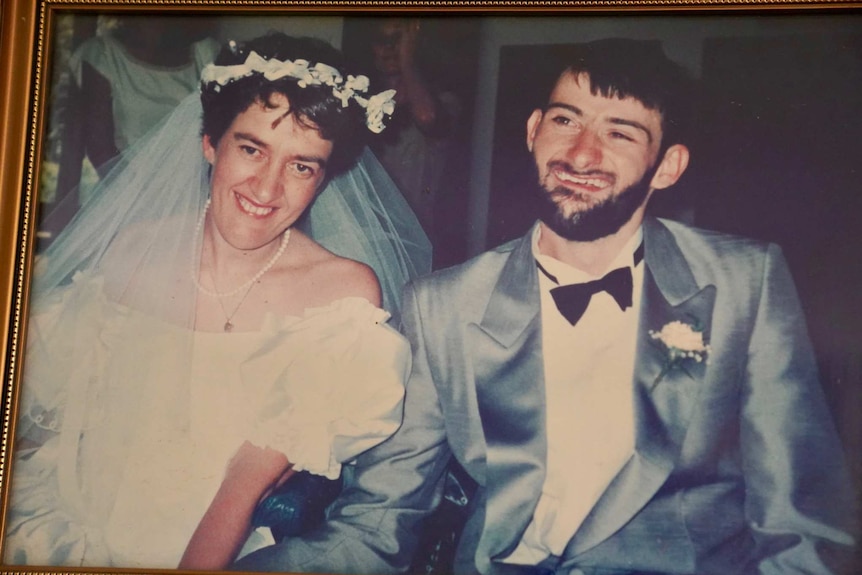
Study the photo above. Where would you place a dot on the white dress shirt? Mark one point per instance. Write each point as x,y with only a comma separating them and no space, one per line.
589,402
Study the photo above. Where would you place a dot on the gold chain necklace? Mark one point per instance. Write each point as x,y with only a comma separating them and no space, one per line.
228,326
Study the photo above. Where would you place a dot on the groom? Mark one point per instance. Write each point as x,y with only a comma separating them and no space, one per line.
631,395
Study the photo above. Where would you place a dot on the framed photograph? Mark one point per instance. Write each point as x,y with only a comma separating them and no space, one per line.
775,157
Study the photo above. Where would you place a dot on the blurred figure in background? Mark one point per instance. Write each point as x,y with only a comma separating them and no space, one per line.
125,80
417,147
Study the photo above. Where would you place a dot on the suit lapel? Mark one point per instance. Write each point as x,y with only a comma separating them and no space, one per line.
664,398
505,348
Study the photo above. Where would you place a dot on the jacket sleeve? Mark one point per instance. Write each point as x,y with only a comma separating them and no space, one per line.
799,502
373,525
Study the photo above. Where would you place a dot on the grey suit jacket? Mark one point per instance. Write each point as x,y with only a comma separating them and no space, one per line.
737,467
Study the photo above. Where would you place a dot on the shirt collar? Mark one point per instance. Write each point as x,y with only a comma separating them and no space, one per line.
567,274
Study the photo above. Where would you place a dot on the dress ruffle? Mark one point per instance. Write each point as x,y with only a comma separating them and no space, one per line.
327,386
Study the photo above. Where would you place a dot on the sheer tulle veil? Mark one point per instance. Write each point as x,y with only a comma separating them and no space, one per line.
361,215
119,278
157,190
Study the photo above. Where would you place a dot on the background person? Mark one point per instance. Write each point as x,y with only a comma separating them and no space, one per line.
125,81
417,148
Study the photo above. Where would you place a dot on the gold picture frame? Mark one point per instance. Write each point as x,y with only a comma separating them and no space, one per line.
25,47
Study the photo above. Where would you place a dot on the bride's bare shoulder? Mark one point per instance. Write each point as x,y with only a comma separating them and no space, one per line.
334,277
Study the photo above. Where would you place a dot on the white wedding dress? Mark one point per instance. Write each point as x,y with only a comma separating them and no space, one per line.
320,388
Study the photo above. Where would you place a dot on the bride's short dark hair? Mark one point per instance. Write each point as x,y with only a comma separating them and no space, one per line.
314,105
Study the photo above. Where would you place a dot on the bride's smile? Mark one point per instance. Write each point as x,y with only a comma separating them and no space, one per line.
253,209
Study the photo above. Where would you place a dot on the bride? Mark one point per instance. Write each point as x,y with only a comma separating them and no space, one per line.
194,338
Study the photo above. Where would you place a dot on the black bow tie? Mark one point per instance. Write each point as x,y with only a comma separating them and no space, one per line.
572,300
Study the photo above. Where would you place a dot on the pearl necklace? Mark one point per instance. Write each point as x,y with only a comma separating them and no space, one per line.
228,326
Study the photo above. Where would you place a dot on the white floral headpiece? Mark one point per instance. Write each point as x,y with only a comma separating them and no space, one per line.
376,106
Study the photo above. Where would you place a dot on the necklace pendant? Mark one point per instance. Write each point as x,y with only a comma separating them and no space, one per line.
228,326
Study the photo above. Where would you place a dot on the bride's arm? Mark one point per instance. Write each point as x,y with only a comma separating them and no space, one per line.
251,474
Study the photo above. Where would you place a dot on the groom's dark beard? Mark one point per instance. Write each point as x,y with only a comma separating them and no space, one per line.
602,219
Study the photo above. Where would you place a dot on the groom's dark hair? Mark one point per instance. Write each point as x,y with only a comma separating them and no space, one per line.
312,105
621,68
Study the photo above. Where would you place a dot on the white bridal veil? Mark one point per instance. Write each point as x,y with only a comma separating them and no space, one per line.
162,183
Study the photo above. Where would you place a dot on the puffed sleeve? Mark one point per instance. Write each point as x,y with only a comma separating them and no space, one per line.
373,525
328,387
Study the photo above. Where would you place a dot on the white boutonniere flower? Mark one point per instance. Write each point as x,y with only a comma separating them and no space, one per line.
682,342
